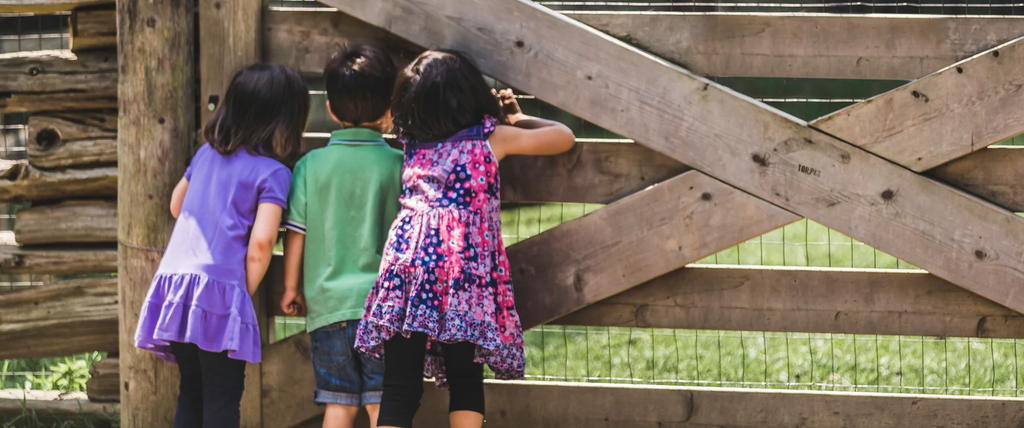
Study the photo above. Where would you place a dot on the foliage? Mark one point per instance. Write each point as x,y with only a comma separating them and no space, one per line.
31,419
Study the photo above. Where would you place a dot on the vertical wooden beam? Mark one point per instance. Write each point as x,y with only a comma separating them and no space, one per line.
156,124
230,38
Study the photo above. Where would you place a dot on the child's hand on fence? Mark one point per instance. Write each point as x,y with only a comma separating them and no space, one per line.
508,107
293,304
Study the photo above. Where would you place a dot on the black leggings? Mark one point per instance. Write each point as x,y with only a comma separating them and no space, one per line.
403,379
211,388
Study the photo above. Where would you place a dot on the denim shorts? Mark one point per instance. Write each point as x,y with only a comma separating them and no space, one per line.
343,375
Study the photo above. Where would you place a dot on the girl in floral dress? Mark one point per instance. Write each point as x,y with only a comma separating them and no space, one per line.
443,303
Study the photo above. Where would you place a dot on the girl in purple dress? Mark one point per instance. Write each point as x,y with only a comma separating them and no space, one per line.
199,313
443,305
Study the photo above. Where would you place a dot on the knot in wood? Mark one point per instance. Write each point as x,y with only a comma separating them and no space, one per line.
760,160
151,22
520,43
981,255
706,196
995,54
34,71
48,139
888,194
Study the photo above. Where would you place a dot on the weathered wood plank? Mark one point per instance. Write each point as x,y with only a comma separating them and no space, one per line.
807,45
632,241
67,222
943,116
288,383
104,385
803,300
756,148
57,80
55,260
93,29
64,318
60,140
57,412
587,405
719,44
46,6
156,126
305,40
230,39
994,174
20,181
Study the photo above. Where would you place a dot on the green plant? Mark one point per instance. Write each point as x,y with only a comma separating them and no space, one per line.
69,375
31,419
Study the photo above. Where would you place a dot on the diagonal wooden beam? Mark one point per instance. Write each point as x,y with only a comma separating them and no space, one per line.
751,146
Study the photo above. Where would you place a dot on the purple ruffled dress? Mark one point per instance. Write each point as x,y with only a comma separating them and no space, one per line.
198,294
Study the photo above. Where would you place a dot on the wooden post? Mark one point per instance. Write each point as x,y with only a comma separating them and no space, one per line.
156,124
230,38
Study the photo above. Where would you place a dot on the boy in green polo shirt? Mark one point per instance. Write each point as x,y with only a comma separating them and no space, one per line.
343,200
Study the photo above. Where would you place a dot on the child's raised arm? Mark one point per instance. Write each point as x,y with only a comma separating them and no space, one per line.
178,197
261,244
527,135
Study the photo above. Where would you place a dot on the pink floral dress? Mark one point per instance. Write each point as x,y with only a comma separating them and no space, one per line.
444,270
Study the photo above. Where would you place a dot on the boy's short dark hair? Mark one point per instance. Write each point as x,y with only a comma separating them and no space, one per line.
265,110
442,92
359,79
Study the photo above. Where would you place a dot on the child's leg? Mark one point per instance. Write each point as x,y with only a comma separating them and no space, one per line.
372,372
223,384
374,411
336,370
403,380
340,416
465,385
190,395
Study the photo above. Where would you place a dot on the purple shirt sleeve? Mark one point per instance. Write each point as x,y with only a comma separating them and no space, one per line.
274,187
195,160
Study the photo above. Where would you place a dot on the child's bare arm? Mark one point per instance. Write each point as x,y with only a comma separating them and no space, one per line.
178,197
293,303
527,135
261,244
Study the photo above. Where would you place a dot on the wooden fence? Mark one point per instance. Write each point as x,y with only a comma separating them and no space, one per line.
909,172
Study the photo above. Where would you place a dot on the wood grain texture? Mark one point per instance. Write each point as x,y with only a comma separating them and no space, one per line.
104,385
948,114
56,260
65,318
57,412
46,6
20,181
305,40
156,125
994,174
61,140
587,405
804,300
631,241
57,80
77,221
721,44
757,149
288,383
93,29
229,40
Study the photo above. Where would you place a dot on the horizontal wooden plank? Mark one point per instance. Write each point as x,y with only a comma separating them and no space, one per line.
56,260
64,318
104,385
46,6
808,45
804,300
93,29
305,39
58,412
57,80
585,405
76,221
716,44
78,139
20,182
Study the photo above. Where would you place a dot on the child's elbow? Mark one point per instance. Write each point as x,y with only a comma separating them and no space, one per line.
260,250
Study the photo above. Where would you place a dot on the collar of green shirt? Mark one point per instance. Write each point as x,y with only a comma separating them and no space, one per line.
356,136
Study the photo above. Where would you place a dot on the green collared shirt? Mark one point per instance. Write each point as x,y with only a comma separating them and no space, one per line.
344,198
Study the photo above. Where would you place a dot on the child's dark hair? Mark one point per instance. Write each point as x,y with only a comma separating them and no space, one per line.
442,92
264,111
359,81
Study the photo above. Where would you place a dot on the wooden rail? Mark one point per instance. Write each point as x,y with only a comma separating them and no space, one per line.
57,81
711,44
